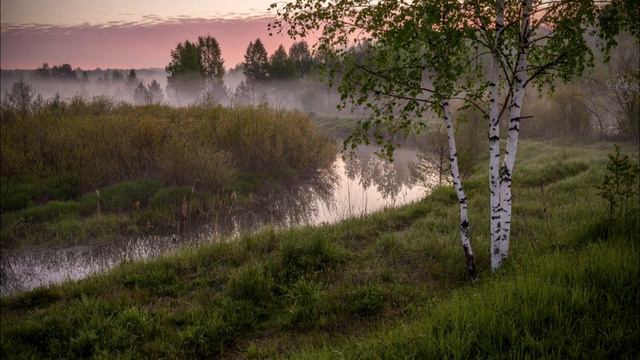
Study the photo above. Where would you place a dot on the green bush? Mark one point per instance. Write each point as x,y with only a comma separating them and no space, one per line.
51,211
128,196
170,196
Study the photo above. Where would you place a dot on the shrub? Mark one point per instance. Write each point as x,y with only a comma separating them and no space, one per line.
620,184
128,196
51,211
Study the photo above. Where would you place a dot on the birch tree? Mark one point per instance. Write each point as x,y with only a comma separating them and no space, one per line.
422,55
533,43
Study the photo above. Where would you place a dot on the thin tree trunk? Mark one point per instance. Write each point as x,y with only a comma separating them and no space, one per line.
515,109
494,140
462,199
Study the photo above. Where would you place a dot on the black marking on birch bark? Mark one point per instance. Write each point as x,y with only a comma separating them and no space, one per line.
514,128
495,217
494,138
445,104
491,83
471,264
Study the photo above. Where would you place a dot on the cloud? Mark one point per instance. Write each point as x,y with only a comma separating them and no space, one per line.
128,44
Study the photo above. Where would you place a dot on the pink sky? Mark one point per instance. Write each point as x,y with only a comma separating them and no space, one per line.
133,44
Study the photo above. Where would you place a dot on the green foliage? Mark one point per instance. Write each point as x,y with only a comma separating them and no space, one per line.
51,211
399,60
128,195
20,193
620,184
185,58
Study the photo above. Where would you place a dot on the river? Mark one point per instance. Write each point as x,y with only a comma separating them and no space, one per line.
354,186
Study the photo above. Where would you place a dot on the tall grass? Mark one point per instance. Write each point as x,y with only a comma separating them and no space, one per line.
98,144
145,161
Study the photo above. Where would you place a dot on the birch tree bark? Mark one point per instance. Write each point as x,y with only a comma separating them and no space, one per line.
494,141
462,198
515,109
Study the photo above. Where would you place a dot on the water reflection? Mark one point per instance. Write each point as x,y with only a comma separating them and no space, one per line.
353,186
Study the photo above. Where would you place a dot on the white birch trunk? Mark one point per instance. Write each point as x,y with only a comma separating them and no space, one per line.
494,141
462,199
515,109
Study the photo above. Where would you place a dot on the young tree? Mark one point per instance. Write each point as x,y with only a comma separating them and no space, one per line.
256,63
422,55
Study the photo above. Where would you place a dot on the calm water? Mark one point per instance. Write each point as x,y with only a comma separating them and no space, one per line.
354,186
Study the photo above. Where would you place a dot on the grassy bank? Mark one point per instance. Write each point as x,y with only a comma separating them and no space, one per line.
389,285
144,160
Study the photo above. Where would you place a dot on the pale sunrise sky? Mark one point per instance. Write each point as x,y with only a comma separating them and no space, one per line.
126,33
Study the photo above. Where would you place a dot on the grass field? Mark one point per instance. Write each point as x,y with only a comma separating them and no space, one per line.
389,285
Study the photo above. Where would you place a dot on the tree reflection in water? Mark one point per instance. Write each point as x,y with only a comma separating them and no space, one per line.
353,186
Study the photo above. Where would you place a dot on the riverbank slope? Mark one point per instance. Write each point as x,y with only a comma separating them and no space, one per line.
389,285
